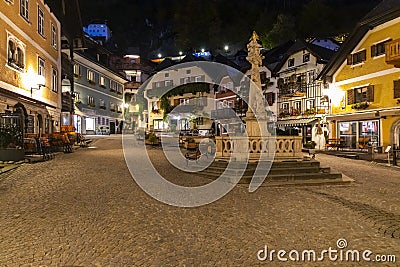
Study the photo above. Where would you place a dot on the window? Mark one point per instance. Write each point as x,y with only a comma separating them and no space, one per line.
166,75
54,80
285,107
188,71
53,36
357,58
90,76
41,67
396,85
23,9
102,104
310,104
119,88
168,83
183,101
77,70
378,49
77,97
186,80
113,86
90,101
306,57
361,94
291,62
297,105
112,106
16,53
198,78
40,21
270,98
102,81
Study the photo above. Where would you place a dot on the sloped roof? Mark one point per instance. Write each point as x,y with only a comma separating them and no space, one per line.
275,54
224,60
190,58
321,53
166,63
385,11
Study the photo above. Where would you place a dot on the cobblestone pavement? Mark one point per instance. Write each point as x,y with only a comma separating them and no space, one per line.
84,209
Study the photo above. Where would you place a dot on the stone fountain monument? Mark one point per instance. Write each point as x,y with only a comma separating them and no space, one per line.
280,157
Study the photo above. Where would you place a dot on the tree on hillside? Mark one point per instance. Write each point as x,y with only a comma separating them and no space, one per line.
282,31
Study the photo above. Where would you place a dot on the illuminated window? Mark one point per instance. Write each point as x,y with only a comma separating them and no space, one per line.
77,70
90,100
90,75
102,81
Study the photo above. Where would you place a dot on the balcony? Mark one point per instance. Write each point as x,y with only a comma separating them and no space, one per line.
132,85
293,89
393,53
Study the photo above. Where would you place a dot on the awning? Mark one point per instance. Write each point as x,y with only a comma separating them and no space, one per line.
296,122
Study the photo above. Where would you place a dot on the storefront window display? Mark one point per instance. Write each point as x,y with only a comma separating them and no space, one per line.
351,132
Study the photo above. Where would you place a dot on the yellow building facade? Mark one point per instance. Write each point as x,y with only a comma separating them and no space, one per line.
363,85
30,64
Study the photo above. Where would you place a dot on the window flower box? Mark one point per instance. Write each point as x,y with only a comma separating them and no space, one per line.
361,105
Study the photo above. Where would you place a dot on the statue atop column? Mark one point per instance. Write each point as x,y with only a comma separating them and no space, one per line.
256,98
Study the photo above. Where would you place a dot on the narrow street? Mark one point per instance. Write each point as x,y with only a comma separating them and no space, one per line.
84,209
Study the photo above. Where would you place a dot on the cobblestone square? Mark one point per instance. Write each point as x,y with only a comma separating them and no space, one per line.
84,209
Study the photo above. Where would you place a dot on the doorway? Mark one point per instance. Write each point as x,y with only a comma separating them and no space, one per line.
112,127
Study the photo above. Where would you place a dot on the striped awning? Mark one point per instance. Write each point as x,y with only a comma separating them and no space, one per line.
296,122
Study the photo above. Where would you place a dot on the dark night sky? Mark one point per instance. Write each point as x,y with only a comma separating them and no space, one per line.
171,25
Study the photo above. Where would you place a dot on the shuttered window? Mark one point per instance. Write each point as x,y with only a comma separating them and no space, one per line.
370,93
357,58
396,88
350,97
362,94
378,49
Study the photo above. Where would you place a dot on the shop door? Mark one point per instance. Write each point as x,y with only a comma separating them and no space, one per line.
112,127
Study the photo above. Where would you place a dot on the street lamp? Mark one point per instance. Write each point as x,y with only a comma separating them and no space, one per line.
226,48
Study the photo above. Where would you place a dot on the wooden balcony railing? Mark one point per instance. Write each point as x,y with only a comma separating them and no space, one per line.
393,53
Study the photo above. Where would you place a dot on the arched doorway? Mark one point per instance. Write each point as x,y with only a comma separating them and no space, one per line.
396,133
19,108
39,124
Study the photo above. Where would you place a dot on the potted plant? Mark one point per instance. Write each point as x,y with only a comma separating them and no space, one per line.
11,143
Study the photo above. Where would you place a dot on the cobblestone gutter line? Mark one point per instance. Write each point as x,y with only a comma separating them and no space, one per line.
387,223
